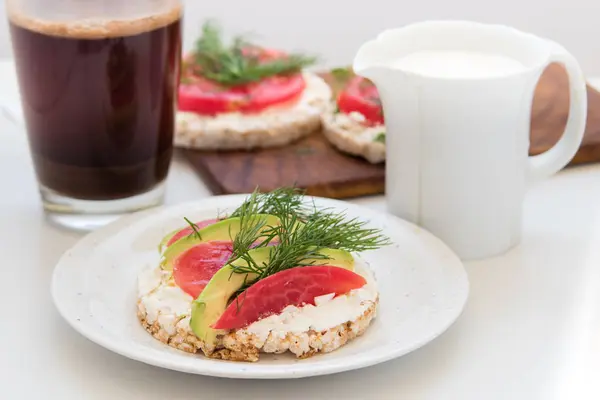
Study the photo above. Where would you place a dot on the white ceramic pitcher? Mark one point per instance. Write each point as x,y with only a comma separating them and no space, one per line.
457,148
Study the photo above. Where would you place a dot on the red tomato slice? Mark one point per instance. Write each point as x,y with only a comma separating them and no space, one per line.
295,286
188,231
193,269
207,98
361,96
202,96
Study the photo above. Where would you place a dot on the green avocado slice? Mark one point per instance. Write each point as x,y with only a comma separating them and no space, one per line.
223,230
163,243
214,299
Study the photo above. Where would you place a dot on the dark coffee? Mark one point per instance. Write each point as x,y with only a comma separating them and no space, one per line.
99,107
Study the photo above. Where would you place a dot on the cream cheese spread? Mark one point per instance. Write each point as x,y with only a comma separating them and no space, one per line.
162,300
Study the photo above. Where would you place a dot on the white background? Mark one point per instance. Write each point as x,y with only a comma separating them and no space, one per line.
529,331
335,28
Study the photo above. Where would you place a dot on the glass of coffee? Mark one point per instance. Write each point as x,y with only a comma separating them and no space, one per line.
98,82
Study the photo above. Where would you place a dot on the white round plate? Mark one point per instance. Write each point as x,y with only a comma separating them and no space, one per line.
423,289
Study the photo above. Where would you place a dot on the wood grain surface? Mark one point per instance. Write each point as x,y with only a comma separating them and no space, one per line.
313,164
550,112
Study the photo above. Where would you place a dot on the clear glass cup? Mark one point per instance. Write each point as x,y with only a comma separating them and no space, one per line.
98,82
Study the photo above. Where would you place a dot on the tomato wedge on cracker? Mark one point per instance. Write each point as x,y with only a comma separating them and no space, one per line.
241,96
355,125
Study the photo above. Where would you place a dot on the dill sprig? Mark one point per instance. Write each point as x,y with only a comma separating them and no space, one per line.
252,225
195,230
272,203
300,240
300,245
334,230
235,64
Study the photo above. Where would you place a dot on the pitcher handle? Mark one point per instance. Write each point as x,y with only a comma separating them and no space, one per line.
553,160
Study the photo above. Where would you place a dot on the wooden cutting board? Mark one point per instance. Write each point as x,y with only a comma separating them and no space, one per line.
313,164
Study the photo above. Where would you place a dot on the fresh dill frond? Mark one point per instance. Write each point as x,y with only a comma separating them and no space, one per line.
253,233
195,229
251,205
331,229
284,203
301,237
270,203
251,230
301,244
294,249
236,64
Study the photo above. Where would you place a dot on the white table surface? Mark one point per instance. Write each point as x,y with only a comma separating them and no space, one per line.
531,328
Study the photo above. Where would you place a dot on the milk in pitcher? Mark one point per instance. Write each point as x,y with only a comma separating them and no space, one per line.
458,64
